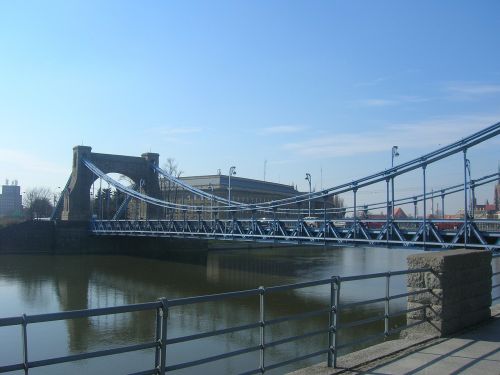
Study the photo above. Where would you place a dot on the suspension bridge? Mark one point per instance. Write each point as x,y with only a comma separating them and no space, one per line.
285,220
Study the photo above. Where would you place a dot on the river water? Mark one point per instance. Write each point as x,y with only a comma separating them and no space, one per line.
34,284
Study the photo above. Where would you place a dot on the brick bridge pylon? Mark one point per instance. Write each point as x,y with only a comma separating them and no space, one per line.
76,196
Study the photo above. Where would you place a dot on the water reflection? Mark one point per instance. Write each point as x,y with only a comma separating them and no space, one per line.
54,283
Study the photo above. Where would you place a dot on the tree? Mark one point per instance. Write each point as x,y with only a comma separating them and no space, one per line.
166,186
338,205
38,202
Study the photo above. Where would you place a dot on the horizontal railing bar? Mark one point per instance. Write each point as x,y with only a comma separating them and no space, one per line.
295,338
367,302
212,358
99,353
396,330
401,312
296,359
383,274
364,339
146,372
197,336
9,368
287,318
364,277
494,299
11,321
92,312
298,285
495,273
396,296
361,322
495,286
406,272
251,372
212,297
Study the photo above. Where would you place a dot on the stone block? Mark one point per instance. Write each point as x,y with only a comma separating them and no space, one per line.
416,280
460,288
433,297
426,260
475,274
433,280
482,286
474,317
463,259
418,314
476,303
427,328
449,326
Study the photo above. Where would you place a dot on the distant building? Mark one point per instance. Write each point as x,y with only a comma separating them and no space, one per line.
497,193
243,190
11,200
485,211
400,214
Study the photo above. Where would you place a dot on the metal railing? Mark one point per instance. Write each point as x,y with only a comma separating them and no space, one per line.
164,305
431,234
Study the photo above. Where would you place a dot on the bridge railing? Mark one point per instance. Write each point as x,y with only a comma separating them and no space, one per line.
431,233
162,341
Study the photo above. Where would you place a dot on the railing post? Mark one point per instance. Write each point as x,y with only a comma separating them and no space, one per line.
331,324
25,345
158,338
465,198
163,347
262,322
334,328
386,307
324,220
355,217
387,213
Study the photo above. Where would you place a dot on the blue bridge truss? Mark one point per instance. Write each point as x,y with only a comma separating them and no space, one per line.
271,221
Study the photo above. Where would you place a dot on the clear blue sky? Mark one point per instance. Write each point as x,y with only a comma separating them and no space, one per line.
309,86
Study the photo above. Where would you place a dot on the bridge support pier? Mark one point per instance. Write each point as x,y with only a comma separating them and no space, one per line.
76,197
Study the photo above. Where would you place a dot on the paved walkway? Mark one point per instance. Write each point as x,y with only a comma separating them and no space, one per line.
476,351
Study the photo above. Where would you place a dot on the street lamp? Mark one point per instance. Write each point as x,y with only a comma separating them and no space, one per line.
211,187
232,171
308,178
395,154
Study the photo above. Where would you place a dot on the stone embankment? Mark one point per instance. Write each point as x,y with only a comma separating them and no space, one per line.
70,237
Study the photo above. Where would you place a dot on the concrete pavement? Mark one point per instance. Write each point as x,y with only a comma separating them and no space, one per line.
475,351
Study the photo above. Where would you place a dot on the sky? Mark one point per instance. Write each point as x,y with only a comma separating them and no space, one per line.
319,87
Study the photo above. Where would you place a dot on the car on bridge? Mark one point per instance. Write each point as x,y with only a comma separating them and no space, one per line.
312,221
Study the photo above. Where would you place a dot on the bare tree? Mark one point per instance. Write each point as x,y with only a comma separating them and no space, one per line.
338,205
173,169
38,202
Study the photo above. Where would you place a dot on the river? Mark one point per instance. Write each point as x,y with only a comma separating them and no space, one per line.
34,284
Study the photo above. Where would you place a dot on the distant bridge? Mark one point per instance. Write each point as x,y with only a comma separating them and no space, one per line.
285,220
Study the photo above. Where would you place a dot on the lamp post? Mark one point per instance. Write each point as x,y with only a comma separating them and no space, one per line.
395,154
232,171
308,178
211,187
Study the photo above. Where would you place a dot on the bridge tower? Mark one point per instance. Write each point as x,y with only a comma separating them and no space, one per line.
76,197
